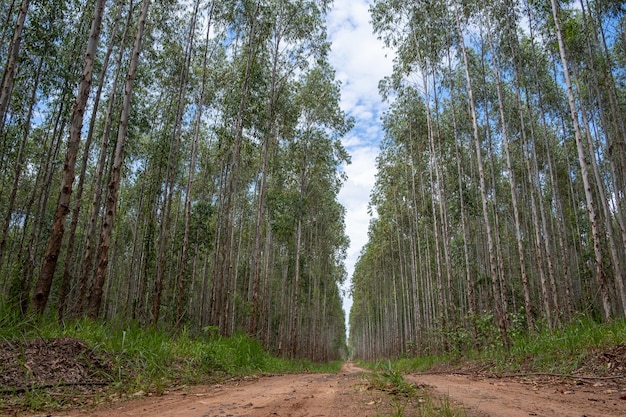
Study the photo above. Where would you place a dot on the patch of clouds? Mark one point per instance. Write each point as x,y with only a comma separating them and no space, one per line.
360,61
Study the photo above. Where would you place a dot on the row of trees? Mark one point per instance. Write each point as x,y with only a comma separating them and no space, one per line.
196,147
500,198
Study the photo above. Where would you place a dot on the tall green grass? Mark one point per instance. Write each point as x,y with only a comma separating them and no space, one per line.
144,358
560,350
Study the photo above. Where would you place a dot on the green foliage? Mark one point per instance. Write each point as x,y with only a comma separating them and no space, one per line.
150,360
559,351
387,377
262,72
562,350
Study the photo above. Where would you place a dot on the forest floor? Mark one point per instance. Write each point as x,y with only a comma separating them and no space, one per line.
598,388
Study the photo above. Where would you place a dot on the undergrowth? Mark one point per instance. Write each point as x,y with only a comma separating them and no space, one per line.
559,350
147,360
406,397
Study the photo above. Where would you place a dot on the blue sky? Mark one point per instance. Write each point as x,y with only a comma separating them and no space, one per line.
361,61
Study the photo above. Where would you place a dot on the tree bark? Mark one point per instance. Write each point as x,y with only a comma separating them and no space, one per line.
66,278
584,171
95,299
44,284
190,179
499,313
8,77
19,165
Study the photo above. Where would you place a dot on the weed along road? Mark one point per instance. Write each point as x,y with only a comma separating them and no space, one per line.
355,393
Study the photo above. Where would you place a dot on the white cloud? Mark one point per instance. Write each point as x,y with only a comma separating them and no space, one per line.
361,61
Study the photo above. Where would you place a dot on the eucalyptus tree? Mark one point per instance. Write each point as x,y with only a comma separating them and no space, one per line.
46,274
99,175
10,69
583,164
317,155
45,77
172,162
297,35
598,96
95,298
66,280
248,16
181,280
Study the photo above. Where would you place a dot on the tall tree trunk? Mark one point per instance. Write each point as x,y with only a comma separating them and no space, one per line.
192,168
41,193
44,284
512,183
582,160
471,298
90,234
66,278
260,216
295,306
8,76
170,174
592,46
95,299
19,163
498,308
442,301
223,271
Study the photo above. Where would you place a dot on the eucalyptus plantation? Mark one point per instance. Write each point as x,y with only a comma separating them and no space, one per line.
201,174
514,214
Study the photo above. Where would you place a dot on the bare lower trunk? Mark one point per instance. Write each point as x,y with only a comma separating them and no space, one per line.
582,160
499,313
95,299
8,77
44,284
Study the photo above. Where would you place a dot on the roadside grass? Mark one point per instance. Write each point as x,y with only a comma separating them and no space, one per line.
144,360
407,398
559,351
563,350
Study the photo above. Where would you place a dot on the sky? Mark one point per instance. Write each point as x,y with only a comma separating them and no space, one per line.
360,61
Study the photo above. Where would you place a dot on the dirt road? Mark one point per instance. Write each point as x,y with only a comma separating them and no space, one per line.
531,396
349,394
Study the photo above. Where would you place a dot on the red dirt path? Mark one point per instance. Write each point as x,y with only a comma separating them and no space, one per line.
348,394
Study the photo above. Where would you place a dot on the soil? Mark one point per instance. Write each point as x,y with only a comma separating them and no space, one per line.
597,388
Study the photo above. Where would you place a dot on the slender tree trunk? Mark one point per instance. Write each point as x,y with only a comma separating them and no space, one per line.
170,175
90,234
8,76
601,188
582,160
499,313
295,307
222,278
190,179
95,299
66,278
41,192
44,284
442,301
471,298
19,164
512,183
260,217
